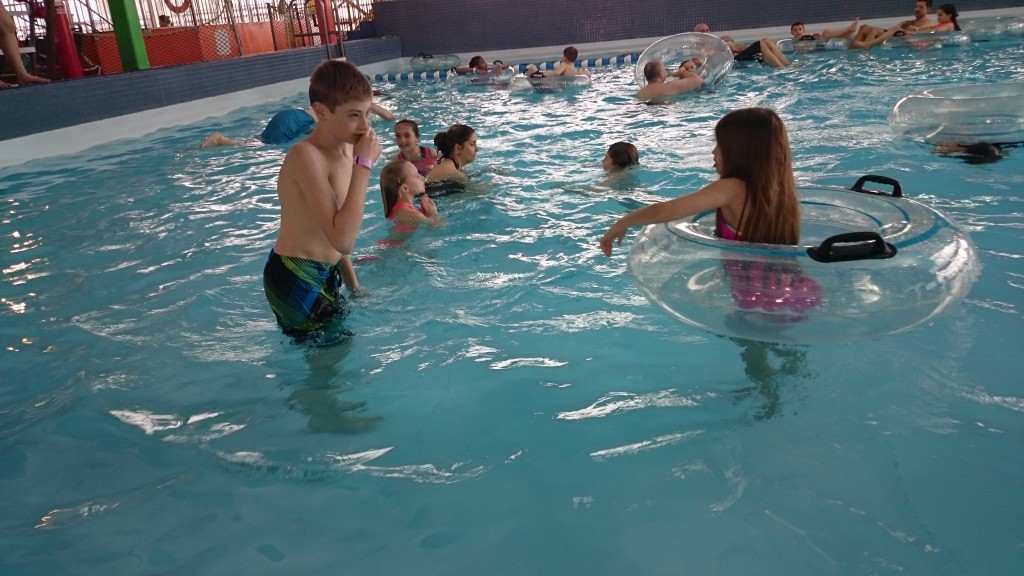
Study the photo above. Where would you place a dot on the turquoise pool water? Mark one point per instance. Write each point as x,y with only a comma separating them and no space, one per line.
517,406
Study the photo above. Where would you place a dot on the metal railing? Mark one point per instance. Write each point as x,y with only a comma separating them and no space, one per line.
94,15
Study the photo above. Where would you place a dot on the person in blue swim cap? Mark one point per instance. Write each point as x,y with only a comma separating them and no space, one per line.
287,125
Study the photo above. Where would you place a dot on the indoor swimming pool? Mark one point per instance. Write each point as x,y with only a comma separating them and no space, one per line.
510,403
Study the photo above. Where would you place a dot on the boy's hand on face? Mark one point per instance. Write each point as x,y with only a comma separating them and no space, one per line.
368,145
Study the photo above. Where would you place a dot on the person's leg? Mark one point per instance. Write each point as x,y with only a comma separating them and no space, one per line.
843,33
771,55
9,44
875,40
218,139
866,33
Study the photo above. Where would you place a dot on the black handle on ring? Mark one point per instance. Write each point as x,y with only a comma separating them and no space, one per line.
852,246
897,191
425,55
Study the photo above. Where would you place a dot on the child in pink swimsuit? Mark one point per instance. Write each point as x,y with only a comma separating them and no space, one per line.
400,184
754,200
755,194
407,136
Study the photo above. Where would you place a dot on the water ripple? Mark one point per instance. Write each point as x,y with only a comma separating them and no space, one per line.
621,402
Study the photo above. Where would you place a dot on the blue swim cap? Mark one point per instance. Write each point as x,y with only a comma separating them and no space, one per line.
288,125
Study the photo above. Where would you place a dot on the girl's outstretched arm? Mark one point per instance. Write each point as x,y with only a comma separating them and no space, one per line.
715,195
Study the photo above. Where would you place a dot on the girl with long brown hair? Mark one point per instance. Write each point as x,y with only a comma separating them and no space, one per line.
755,196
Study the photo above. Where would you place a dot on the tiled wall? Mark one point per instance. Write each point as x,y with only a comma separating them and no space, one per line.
457,26
36,109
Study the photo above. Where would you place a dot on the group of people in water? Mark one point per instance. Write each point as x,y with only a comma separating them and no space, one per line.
322,187
662,83
322,184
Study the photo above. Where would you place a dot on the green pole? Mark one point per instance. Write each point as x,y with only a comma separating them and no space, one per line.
128,32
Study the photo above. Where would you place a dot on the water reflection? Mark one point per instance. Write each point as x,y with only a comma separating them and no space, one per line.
767,365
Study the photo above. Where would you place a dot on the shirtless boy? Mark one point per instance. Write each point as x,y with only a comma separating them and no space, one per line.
799,32
322,190
567,67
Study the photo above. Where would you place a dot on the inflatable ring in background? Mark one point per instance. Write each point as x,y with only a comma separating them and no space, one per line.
928,40
490,79
870,265
809,43
178,9
984,29
672,51
991,113
425,62
549,83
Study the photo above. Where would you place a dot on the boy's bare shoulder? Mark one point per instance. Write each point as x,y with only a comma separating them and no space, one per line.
303,155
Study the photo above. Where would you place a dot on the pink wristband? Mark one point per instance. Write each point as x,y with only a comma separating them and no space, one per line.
364,162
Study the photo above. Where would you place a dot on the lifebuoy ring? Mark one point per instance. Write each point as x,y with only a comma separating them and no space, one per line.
992,113
808,43
987,28
715,55
178,9
542,83
928,40
424,62
871,265
500,80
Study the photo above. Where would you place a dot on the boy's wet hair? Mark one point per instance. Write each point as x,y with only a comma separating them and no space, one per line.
335,82
570,53
623,154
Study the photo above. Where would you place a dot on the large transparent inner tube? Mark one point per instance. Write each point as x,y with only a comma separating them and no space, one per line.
992,113
426,62
928,40
988,28
674,50
490,79
549,83
780,294
812,45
